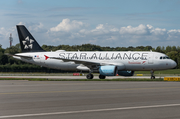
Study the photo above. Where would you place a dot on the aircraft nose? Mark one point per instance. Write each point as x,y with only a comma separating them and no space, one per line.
173,64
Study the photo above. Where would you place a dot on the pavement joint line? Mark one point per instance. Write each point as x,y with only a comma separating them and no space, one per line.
88,111
88,90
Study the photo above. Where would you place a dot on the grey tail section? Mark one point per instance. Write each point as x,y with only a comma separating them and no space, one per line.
27,41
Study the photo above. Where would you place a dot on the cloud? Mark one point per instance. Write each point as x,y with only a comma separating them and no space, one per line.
19,1
139,30
67,25
20,23
174,32
2,30
34,27
75,33
4,35
104,29
37,27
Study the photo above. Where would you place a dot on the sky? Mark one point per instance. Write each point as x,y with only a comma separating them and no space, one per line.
112,23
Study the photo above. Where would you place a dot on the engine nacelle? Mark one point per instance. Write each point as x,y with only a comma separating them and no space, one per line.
126,73
108,70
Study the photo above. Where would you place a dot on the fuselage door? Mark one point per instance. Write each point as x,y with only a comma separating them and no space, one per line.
150,58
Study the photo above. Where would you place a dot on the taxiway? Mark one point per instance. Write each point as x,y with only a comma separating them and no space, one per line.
89,100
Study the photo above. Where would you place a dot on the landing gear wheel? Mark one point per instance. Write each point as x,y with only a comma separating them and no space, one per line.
89,76
102,77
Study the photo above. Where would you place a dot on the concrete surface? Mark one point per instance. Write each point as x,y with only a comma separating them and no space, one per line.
89,100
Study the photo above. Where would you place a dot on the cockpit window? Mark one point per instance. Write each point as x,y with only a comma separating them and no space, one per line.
164,57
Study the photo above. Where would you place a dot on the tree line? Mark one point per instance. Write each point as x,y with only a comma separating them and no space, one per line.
9,64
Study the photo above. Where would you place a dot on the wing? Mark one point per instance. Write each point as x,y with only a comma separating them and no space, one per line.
89,64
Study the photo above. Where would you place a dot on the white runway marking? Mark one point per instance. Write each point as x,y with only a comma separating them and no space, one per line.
86,111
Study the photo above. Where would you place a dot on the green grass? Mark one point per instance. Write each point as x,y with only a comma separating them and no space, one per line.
170,71
29,79
44,79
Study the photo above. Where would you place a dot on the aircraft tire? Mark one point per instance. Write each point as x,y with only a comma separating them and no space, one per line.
89,76
102,77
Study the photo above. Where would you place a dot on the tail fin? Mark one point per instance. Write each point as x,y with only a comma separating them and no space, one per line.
27,41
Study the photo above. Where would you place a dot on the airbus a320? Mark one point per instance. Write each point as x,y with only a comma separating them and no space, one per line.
105,63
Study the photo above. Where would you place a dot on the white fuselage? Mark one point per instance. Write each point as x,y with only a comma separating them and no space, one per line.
134,61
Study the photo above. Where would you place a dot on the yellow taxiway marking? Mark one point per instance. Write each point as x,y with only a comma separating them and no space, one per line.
171,78
100,90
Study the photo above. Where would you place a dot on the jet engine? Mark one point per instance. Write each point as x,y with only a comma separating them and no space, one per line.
126,73
108,70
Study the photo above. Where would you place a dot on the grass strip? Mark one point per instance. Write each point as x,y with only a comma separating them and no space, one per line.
46,79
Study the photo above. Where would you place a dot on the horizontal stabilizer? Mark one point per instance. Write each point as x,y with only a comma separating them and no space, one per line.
27,57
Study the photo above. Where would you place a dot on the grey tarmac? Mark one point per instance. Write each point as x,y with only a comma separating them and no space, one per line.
89,100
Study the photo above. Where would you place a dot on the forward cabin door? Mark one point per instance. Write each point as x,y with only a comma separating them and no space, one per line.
150,58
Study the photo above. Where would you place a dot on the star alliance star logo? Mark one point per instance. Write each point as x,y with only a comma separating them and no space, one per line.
28,43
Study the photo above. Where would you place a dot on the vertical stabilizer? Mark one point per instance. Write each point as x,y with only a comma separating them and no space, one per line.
27,41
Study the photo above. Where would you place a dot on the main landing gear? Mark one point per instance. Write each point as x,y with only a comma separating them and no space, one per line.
152,74
90,76
102,76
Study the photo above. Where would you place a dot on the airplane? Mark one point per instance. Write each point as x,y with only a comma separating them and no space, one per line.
106,63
